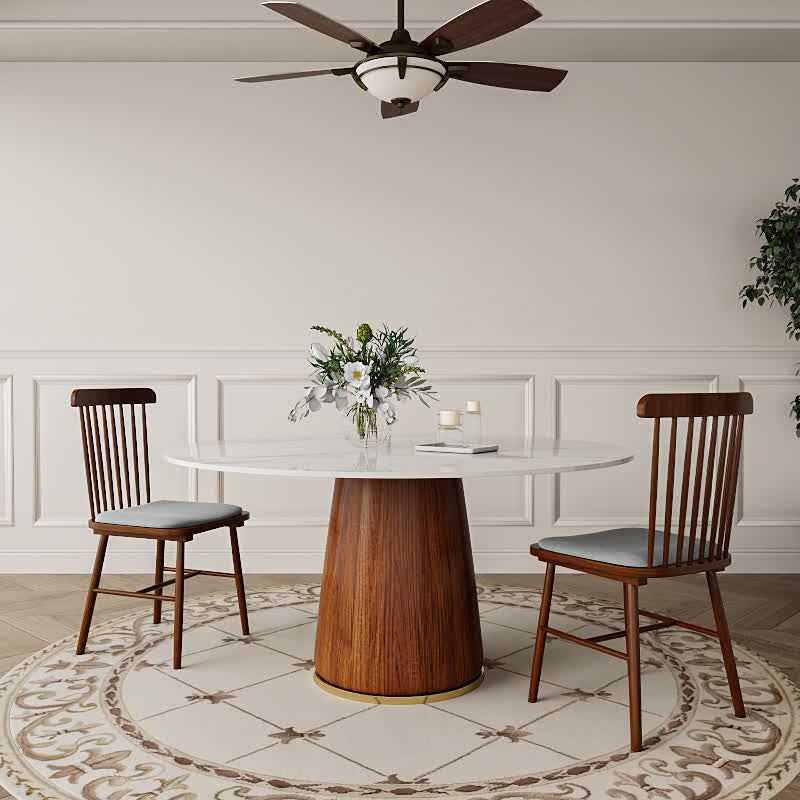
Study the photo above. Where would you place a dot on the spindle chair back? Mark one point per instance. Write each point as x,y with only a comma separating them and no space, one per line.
709,469
116,452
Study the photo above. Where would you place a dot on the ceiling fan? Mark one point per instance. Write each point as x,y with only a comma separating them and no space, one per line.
401,72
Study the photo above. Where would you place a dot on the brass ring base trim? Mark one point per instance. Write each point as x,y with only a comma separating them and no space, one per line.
389,700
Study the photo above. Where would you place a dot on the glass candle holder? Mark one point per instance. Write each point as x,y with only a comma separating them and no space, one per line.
472,424
449,429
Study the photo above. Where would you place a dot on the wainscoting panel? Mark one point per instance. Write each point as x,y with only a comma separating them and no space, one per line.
770,496
6,451
59,489
507,403
598,407
257,407
588,394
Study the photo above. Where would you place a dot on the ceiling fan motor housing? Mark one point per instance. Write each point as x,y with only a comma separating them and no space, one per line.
400,79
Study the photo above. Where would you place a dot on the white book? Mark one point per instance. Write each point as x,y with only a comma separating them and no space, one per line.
466,449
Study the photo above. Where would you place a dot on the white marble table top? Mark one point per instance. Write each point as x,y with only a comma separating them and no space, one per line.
337,458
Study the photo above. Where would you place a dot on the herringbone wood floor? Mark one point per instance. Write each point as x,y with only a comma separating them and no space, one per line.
763,610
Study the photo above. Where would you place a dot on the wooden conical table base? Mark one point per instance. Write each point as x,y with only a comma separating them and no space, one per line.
398,617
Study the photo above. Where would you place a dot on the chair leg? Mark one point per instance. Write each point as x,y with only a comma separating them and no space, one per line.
237,571
177,644
634,665
725,644
158,578
91,597
541,635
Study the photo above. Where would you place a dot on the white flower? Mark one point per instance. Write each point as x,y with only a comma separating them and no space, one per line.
357,374
410,361
340,398
325,393
364,396
311,399
381,393
388,412
319,352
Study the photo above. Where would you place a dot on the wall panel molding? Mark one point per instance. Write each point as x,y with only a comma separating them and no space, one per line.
750,383
541,391
525,517
645,383
7,427
152,379
465,350
296,381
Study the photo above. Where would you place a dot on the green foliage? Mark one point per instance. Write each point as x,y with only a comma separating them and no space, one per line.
778,263
796,414
778,267
365,419
340,355
390,369
332,333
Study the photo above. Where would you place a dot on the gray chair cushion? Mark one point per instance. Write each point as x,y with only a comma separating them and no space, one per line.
169,514
625,547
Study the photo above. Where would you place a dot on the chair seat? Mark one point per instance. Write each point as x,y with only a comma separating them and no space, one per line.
169,514
623,547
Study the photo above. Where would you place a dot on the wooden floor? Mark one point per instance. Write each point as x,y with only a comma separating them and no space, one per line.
763,610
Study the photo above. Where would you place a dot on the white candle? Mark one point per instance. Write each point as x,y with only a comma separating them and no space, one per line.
449,417
474,406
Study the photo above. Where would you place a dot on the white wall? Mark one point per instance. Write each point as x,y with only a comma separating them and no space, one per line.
588,245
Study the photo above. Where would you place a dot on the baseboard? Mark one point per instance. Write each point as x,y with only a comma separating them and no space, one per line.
267,562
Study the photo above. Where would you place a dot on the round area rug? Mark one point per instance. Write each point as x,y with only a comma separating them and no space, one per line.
243,720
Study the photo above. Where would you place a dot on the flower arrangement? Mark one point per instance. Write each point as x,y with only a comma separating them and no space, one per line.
363,377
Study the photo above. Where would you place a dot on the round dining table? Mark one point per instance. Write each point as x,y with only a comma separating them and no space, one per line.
398,613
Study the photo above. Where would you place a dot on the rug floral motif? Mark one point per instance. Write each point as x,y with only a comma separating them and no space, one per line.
67,730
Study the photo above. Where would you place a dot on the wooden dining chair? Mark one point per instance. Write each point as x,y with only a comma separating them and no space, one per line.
114,449
632,556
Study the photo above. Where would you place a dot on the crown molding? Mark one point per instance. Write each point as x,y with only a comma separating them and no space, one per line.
554,25
629,38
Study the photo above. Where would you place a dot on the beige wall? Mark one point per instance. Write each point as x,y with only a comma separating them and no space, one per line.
594,240
617,211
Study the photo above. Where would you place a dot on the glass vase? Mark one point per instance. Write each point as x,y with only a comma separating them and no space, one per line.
365,428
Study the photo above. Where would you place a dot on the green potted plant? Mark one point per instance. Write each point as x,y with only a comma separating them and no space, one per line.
778,267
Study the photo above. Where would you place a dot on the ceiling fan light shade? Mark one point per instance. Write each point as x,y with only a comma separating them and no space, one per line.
382,78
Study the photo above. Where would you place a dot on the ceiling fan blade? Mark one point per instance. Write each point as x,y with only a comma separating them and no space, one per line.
319,22
390,110
507,76
479,24
282,76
